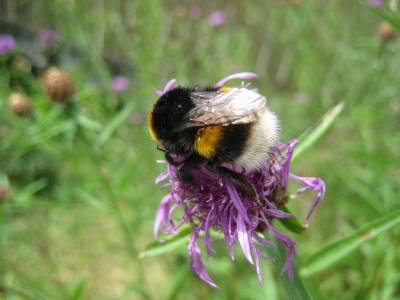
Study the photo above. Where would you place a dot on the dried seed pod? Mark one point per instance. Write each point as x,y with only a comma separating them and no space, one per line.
3,192
385,31
21,63
20,104
59,85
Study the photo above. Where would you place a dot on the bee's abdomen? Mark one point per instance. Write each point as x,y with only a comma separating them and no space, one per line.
221,144
208,140
260,142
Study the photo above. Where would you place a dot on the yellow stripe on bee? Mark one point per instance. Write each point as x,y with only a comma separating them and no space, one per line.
207,140
224,89
150,125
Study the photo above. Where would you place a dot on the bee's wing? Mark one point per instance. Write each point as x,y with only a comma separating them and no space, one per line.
237,106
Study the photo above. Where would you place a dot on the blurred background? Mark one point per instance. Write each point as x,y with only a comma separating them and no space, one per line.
77,165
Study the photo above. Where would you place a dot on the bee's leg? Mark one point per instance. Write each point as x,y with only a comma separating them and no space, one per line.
241,180
170,160
185,168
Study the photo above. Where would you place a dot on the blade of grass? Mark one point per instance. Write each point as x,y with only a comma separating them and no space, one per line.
178,282
315,132
16,291
292,223
79,288
383,15
296,289
114,124
170,243
338,249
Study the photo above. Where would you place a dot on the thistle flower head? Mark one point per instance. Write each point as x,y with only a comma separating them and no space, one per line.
386,31
48,35
219,205
375,2
217,18
7,43
195,12
120,83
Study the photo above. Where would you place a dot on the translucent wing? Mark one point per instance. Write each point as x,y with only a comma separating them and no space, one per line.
236,106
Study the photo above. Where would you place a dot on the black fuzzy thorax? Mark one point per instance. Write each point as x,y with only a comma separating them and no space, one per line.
166,113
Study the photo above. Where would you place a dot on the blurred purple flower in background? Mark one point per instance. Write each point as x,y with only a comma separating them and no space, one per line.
120,83
220,205
375,2
7,43
137,117
195,12
217,18
48,36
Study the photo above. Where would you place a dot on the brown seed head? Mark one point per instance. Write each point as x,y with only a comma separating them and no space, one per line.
58,84
386,31
20,104
21,63
3,192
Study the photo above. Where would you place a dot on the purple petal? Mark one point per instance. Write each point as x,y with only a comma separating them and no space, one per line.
263,241
169,85
162,213
207,233
286,163
161,177
243,238
316,184
236,200
196,263
277,213
243,75
256,252
290,246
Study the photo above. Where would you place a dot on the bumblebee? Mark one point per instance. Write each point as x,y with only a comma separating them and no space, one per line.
219,126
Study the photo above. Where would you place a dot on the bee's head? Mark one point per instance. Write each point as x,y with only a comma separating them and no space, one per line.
168,111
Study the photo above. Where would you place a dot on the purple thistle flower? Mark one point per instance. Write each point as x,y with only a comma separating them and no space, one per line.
120,83
195,12
7,43
137,117
375,3
220,205
48,36
217,18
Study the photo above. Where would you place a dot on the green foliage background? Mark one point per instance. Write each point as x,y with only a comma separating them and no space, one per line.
80,177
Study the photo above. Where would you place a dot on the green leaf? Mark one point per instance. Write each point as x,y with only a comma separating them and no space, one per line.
25,194
383,15
88,123
16,291
170,242
296,289
338,249
315,132
114,124
79,288
292,223
92,201
178,281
